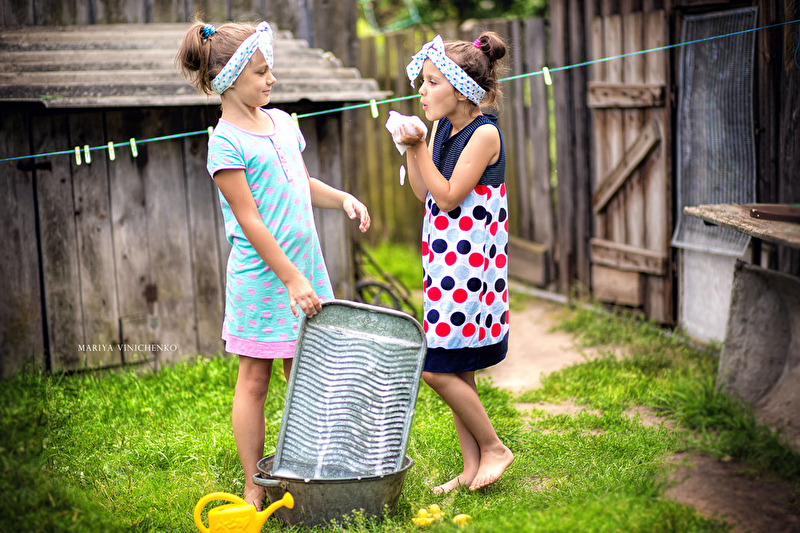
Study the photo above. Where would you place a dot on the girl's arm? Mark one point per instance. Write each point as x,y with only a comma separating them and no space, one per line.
482,150
415,176
234,187
326,197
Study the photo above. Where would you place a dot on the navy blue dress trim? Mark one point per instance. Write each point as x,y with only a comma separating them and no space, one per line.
465,359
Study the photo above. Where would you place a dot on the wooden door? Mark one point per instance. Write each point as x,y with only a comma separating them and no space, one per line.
630,249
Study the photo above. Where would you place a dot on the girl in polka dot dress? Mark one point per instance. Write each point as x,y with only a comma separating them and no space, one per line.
461,179
275,269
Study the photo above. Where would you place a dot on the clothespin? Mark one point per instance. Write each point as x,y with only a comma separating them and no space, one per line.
294,117
547,79
87,154
111,155
134,150
210,130
78,155
373,105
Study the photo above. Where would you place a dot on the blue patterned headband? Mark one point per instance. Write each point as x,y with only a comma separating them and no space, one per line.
434,51
260,40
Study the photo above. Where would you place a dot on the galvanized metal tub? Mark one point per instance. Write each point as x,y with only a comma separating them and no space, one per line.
322,501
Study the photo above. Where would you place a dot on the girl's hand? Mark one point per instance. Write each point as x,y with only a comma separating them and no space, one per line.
354,209
408,135
302,296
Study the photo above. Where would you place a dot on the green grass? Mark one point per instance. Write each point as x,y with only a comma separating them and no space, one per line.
126,452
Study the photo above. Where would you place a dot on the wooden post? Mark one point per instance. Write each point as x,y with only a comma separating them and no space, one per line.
583,162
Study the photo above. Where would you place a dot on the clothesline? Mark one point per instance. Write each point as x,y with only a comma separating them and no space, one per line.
545,71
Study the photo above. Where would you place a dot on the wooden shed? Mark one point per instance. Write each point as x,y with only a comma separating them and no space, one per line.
119,259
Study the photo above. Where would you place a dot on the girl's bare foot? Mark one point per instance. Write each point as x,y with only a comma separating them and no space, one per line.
458,481
493,464
255,496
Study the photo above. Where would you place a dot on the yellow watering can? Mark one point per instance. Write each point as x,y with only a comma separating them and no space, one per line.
236,517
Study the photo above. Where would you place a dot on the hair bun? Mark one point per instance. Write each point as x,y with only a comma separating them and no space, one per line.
493,46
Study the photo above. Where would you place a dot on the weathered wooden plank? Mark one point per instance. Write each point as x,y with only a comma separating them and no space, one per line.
168,235
334,226
120,11
21,341
209,301
528,261
737,217
789,136
582,132
404,230
606,95
627,257
139,325
564,147
629,161
617,286
58,244
633,72
615,133
602,163
59,13
18,13
538,119
211,10
656,172
95,244
519,193
370,183
168,11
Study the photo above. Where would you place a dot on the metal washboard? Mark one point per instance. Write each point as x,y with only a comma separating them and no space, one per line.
716,159
352,393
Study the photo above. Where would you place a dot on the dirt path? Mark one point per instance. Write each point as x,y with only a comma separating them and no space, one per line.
713,487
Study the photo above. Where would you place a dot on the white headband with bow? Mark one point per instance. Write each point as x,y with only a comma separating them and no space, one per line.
434,51
260,40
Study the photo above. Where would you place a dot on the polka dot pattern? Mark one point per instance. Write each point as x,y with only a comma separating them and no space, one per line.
434,51
464,253
260,40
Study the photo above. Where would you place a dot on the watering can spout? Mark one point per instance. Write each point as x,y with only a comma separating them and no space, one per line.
236,517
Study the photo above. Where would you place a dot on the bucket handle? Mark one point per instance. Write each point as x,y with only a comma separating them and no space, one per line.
269,483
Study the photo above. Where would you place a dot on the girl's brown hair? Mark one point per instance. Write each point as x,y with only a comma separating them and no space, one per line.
481,64
201,58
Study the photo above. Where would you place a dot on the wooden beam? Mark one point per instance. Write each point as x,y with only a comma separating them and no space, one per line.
631,159
627,257
616,286
604,95
527,261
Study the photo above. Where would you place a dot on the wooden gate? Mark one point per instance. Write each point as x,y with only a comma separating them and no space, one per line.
631,201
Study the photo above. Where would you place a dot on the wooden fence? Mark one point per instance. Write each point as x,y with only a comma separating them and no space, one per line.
374,163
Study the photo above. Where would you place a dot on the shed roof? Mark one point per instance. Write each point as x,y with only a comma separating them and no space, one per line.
127,65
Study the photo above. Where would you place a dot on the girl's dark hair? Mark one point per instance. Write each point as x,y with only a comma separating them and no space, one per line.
200,59
481,64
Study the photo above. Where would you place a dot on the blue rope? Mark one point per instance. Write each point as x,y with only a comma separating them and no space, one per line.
391,100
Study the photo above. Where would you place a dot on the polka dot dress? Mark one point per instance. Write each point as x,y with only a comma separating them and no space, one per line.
465,262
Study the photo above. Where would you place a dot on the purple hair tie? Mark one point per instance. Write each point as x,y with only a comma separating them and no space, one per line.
477,43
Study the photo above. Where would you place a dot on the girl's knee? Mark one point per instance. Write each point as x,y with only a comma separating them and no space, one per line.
432,379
